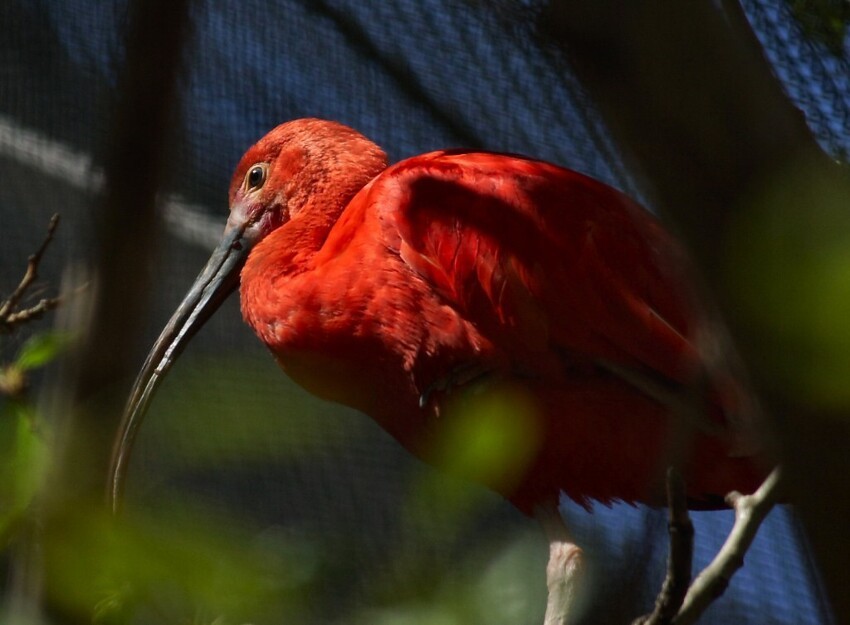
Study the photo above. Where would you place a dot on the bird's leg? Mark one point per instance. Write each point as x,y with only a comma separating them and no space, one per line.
565,569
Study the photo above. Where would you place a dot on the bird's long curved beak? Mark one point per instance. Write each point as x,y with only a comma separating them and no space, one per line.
218,279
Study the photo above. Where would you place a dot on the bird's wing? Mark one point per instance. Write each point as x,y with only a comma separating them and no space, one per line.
541,257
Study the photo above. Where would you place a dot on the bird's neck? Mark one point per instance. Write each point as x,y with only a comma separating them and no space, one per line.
290,249
317,198
279,257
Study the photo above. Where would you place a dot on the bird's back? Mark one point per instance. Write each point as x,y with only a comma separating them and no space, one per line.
554,284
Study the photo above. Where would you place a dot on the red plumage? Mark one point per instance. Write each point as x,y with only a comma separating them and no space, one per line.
405,291
373,286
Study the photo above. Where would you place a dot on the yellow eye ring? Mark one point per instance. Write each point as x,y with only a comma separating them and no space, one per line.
256,176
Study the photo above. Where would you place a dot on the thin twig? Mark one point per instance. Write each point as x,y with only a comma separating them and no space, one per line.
9,317
750,511
680,558
28,314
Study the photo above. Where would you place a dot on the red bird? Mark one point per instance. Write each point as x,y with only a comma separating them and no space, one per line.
396,289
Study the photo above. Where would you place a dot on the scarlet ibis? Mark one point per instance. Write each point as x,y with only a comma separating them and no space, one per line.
394,289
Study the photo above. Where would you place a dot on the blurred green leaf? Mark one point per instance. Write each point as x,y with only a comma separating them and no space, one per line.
23,462
243,409
178,567
512,588
41,349
509,589
489,437
415,614
224,414
788,271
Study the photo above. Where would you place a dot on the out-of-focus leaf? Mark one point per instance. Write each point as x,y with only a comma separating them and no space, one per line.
242,409
489,437
510,589
415,614
41,349
177,568
788,270
13,381
23,462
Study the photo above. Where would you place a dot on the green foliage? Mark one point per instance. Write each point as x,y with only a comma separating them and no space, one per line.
177,567
41,349
257,416
24,454
824,21
185,562
489,437
23,463
507,589
789,275
269,421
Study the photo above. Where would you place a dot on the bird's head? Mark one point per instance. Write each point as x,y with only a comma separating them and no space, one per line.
303,169
303,163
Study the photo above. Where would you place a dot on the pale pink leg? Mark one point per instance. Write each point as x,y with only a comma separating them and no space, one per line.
564,572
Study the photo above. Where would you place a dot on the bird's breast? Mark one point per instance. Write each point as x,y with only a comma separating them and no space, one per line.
368,336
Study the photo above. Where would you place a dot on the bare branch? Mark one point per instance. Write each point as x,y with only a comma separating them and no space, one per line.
8,317
680,558
28,314
688,95
750,511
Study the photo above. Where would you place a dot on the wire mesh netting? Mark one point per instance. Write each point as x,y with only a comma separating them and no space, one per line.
341,524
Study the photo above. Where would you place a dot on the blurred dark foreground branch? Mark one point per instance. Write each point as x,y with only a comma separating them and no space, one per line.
686,91
85,403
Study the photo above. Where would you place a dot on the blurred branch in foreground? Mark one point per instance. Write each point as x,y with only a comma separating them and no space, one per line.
686,91
86,403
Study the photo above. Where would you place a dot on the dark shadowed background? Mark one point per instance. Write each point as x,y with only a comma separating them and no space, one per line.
336,522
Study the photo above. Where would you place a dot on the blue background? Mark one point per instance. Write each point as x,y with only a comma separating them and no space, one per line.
413,76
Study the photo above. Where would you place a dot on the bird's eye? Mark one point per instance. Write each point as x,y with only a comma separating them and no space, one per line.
256,177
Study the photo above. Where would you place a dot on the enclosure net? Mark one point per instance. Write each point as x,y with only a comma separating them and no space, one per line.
336,522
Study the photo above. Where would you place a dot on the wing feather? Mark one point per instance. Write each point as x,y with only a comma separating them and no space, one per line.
541,257
578,289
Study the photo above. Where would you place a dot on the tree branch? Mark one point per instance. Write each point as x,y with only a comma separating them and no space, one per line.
691,100
9,316
86,405
750,511
680,558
